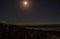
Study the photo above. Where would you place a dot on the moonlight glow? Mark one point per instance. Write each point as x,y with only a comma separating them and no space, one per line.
25,2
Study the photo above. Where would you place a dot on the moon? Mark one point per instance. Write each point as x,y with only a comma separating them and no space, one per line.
25,3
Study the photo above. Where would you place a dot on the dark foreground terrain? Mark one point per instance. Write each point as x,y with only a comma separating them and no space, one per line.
8,31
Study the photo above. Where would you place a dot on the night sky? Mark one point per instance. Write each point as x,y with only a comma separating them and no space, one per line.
40,12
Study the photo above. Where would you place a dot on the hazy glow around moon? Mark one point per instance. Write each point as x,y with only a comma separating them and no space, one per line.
25,2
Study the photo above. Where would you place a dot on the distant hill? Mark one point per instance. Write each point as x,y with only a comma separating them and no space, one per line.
46,27
9,31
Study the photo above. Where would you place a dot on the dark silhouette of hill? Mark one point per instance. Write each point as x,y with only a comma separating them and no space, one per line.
10,31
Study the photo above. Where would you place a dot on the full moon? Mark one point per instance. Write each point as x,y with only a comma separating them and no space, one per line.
25,2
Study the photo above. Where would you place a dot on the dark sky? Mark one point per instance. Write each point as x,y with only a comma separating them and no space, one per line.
40,12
